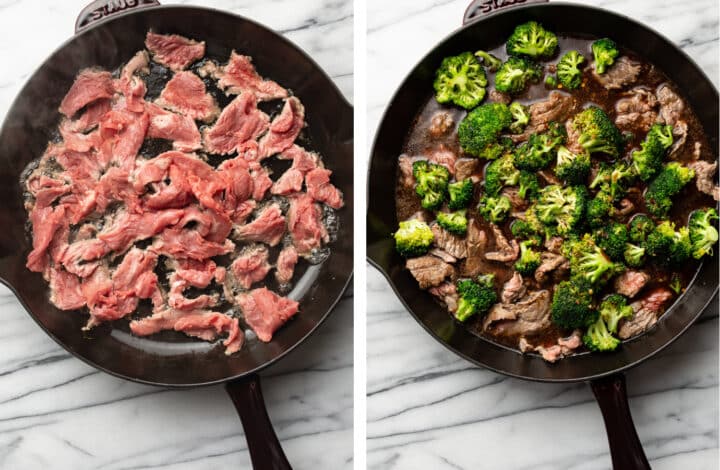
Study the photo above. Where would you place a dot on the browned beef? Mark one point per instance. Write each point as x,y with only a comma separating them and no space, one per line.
429,271
499,97
705,178
445,157
443,255
528,316
405,166
518,204
513,289
622,73
558,107
475,263
638,110
554,244
441,123
671,105
505,251
630,283
447,293
455,245
549,263
466,167
647,311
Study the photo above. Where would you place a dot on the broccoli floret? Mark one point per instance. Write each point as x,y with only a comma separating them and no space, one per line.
562,208
613,309
524,230
634,255
672,178
480,129
572,305
588,262
599,210
571,168
676,284
461,193
529,259
540,149
604,52
515,73
500,173
413,238
597,133
494,209
681,249
640,227
614,180
529,185
703,234
532,40
668,246
647,161
550,81
569,70
488,60
460,80
520,116
474,297
598,338
432,182
453,222
612,239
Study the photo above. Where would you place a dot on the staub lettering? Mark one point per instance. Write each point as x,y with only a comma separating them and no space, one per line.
113,6
492,5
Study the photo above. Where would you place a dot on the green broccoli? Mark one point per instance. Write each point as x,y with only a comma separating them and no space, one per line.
682,247
647,161
494,208
532,40
572,305
604,52
598,338
599,210
676,284
529,185
540,149
612,239
460,80
551,81
480,129
523,230
668,246
500,173
432,182
561,207
488,60
614,180
597,133
461,194
614,308
454,222
514,75
634,255
529,259
475,297
521,117
703,234
588,262
413,238
569,70
640,227
571,168
672,178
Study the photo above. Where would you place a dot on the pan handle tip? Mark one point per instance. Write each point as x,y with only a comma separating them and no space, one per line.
263,444
625,448
99,10
482,8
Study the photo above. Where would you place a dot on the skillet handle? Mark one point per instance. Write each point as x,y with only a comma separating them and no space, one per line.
625,447
102,9
483,8
265,450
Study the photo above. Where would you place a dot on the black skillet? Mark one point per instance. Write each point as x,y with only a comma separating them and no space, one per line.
170,359
485,28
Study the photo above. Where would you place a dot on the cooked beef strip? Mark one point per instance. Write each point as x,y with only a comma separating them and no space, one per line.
638,110
441,124
623,72
429,271
550,262
705,178
506,251
631,282
466,168
558,107
513,289
455,245
646,313
528,316
446,293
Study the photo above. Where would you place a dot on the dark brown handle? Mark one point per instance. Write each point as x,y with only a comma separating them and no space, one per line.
483,8
102,9
625,447
265,450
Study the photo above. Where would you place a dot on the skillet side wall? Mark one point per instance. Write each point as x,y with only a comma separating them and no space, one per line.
398,118
28,128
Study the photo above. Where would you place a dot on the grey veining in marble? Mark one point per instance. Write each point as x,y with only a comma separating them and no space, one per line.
58,413
427,408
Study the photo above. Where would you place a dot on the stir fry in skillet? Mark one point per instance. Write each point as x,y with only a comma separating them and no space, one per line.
556,194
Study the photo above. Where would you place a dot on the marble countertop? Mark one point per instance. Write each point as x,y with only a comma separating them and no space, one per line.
427,408
58,413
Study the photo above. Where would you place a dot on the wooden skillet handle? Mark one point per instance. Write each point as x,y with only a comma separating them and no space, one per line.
482,8
265,450
625,447
101,9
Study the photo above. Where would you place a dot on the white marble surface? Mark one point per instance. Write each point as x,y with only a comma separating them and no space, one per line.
428,409
58,413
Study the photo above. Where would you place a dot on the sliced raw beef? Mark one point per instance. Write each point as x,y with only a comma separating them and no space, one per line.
303,160
239,76
284,129
90,85
131,86
129,227
178,243
178,128
185,93
261,183
89,119
123,133
251,266
65,291
290,182
265,312
241,121
320,188
45,222
268,227
174,51
191,273
286,261
238,186
305,224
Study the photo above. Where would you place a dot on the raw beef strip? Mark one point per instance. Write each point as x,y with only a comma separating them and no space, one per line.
185,93
173,51
286,261
188,243
284,129
65,291
268,227
305,224
129,227
303,160
238,184
239,76
132,87
45,222
123,133
240,121
196,274
320,188
251,266
214,226
265,311
261,182
90,118
290,182
90,85
179,129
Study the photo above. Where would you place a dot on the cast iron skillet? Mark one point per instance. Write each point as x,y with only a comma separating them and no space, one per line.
603,371
170,359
